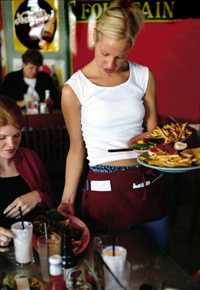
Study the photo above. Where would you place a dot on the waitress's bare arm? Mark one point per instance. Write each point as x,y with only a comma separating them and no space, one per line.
150,104
71,109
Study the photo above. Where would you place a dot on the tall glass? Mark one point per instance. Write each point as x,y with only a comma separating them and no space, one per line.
42,246
23,242
118,266
46,248
54,244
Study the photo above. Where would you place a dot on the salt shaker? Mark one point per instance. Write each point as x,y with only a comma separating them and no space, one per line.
55,272
55,267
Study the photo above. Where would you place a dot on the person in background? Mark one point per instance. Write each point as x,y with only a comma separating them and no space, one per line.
23,180
106,104
30,81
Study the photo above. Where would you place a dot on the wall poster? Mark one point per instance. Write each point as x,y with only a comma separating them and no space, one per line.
35,25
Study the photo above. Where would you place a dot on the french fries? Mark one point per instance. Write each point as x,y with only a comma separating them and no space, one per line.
172,132
193,153
170,161
186,158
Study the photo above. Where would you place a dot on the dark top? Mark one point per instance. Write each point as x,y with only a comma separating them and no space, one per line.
15,87
10,189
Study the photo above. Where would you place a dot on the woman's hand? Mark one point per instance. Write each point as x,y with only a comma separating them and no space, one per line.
66,209
5,237
26,201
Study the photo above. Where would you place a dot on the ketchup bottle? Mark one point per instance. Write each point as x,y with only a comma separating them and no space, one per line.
48,101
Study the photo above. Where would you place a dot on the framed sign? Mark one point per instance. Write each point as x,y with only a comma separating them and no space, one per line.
35,25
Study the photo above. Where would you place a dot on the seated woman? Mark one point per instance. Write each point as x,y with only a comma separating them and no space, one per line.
23,180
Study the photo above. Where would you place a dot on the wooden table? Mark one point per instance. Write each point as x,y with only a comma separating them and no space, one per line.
148,264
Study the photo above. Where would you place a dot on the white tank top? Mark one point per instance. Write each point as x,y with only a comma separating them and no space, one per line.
110,116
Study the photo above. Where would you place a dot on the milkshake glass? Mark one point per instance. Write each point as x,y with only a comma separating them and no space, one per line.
118,265
23,242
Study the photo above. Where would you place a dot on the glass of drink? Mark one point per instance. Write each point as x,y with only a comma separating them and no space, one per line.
23,242
47,246
116,261
42,246
54,244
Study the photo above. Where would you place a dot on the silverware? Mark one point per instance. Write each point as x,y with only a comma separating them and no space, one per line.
120,149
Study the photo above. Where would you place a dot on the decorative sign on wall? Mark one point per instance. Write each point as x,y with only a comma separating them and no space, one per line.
154,10
163,10
35,25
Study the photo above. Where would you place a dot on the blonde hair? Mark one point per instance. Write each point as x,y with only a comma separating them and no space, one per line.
122,20
10,113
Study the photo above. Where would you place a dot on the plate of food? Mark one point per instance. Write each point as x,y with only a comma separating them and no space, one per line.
15,282
169,160
171,132
56,223
139,147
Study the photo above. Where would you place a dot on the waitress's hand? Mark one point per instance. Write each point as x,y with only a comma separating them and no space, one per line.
26,201
139,137
66,208
5,237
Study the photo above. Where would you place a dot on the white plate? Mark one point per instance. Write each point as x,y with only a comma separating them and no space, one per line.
169,169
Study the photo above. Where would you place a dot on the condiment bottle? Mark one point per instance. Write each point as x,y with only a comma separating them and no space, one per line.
49,28
48,101
68,261
56,280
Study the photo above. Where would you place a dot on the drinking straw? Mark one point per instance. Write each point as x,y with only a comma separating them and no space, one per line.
113,245
45,231
21,217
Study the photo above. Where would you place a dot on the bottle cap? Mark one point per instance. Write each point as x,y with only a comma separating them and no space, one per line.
55,268
55,259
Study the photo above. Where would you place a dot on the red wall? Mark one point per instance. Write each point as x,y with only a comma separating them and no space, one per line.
172,52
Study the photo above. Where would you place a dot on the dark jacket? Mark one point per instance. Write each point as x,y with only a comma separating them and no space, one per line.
15,87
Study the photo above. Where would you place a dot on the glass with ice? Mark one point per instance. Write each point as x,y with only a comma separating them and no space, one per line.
23,242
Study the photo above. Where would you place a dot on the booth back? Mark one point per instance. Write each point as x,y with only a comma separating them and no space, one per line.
51,144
